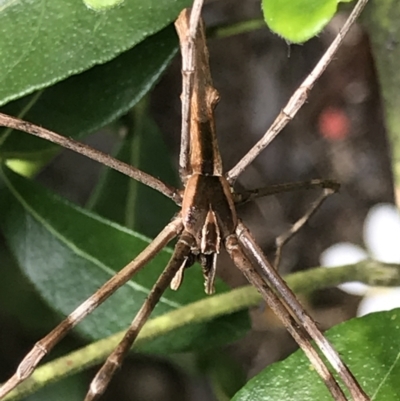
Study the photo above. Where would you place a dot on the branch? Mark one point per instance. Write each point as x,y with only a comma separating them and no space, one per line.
369,272
227,30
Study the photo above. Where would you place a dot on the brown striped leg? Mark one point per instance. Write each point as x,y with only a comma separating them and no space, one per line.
298,98
114,361
43,346
329,187
242,197
299,313
188,47
85,150
298,333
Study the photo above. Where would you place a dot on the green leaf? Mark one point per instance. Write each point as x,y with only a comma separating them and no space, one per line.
72,388
381,18
225,374
18,299
101,5
298,20
88,101
43,42
369,345
68,253
126,201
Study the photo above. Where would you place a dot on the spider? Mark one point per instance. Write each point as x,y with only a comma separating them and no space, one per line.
206,222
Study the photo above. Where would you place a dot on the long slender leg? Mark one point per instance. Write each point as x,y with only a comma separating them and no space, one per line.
286,236
43,346
302,317
114,361
245,266
85,150
298,98
188,70
242,197
329,186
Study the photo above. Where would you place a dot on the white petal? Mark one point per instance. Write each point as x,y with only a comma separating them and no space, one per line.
382,233
380,300
345,253
355,288
342,253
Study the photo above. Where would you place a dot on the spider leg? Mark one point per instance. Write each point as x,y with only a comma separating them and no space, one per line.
302,317
286,236
43,346
329,188
245,196
241,260
187,44
85,150
298,98
115,359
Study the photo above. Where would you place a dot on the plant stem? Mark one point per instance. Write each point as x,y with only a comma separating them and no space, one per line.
223,31
369,272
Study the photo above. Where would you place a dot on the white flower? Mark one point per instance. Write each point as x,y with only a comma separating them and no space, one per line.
382,238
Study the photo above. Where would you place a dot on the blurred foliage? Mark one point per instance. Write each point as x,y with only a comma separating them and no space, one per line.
381,19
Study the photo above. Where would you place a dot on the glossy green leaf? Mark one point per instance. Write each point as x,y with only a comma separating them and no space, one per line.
126,201
369,345
102,5
42,42
68,253
18,299
298,20
88,101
